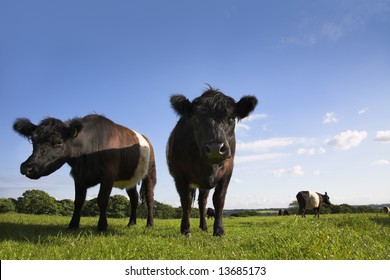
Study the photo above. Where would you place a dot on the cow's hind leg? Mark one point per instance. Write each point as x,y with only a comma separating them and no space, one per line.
133,195
202,201
80,194
147,195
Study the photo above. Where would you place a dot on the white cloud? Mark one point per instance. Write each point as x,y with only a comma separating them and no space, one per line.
330,118
321,151
383,136
255,117
347,139
295,171
382,162
262,157
266,144
307,152
243,124
363,111
311,152
317,172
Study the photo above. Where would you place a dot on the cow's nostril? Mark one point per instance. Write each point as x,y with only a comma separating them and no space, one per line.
26,169
223,149
215,150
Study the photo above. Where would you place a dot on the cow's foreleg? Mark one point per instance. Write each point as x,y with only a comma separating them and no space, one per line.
202,201
80,194
186,198
133,195
219,202
102,200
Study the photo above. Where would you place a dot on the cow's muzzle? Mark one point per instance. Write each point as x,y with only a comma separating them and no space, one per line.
28,170
216,152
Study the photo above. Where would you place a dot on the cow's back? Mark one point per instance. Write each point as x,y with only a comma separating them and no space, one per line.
104,148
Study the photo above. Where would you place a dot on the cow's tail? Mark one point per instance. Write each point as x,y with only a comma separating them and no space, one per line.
193,193
143,191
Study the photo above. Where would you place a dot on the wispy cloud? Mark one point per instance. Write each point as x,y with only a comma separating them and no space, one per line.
260,157
332,31
311,151
382,162
383,136
244,123
330,118
267,144
295,171
311,31
255,117
347,139
363,111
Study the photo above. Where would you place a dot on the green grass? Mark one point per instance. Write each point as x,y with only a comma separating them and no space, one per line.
334,237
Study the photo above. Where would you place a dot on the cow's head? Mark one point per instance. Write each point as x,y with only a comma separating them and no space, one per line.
212,117
326,199
49,140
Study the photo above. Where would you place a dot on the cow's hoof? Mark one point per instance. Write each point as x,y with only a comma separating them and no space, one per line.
73,227
131,224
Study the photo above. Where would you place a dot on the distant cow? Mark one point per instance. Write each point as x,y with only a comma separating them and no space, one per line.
386,210
311,200
98,151
201,149
210,213
283,212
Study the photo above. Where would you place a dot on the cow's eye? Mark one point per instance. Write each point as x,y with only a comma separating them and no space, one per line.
58,143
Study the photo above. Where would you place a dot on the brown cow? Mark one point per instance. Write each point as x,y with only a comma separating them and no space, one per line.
98,151
200,151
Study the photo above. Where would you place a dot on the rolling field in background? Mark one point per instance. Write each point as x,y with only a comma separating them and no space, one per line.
332,237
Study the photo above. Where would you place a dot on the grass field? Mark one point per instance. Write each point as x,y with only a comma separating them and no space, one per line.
333,237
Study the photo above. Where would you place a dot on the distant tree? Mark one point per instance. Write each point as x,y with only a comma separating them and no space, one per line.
90,208
65,207
118,207
37,202
6,205
164,211
294,204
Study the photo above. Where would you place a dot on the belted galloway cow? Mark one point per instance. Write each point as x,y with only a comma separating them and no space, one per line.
98,151
201,148
311,201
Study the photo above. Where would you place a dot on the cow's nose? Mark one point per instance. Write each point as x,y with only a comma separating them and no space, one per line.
26,168
216,150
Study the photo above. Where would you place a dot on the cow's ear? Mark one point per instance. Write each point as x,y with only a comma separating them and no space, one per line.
74,128
181,105
24,127
245,106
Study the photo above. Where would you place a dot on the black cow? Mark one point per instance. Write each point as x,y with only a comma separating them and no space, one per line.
311,200
201,149
98,151
210,213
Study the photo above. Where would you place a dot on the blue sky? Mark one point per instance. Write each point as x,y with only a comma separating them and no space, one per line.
320,69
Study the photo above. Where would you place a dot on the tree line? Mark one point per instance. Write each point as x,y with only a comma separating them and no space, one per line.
40,202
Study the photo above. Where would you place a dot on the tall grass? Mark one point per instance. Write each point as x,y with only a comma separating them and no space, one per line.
333,237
